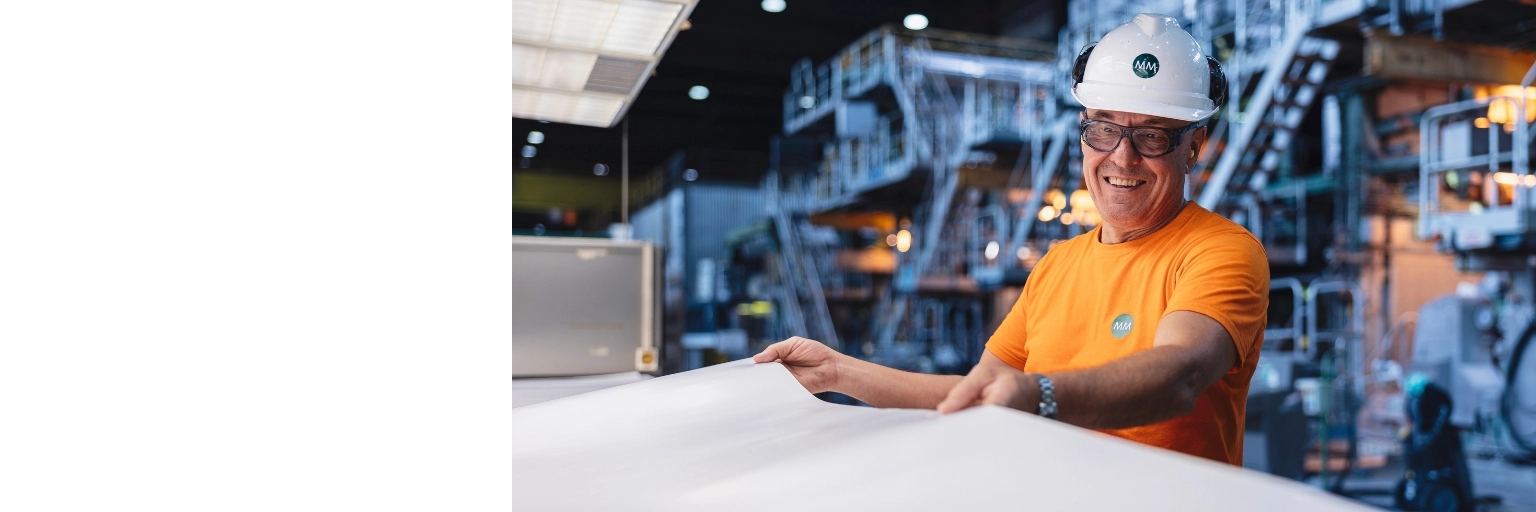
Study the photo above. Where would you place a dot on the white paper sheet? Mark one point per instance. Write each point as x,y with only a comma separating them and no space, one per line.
740,436
529,391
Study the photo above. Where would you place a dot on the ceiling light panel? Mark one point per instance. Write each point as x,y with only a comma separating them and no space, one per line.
639,26
582,23
527,63
566,70
532,19
592,109
582,61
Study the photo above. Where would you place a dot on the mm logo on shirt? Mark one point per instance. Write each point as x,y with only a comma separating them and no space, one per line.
1145,65
1122,326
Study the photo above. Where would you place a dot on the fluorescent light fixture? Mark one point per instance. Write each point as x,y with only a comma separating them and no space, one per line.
915,22
535,137
698,92
774,5
583,61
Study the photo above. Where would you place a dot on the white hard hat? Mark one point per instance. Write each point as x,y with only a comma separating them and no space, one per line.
1149,66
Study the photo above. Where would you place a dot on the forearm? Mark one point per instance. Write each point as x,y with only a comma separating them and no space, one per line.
1144,388
880,386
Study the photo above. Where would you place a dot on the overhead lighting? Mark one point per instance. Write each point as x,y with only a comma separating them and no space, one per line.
600,170
903,240
698,92
690,174
1066,218
915,22
589,57
992,249
567,107
530,151
807,102
535,137
1047,213
774,5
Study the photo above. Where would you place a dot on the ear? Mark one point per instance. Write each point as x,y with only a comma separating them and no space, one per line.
1196,141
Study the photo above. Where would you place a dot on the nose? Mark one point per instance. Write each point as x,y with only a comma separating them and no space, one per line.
1125,154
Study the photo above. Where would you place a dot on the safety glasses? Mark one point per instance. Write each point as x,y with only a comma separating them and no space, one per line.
1149,142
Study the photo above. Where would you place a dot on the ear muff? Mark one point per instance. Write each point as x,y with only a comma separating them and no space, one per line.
1218,92
1081,64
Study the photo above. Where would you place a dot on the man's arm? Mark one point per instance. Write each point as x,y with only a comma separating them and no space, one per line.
820,369
1189,354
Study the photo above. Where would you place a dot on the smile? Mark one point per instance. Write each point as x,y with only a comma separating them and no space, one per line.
1123,182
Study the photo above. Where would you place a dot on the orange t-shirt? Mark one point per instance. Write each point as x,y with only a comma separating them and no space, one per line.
1087,303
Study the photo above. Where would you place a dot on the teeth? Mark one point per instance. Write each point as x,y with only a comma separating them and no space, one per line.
1123,182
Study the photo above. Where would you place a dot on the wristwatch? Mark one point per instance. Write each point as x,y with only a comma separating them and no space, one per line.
1047,397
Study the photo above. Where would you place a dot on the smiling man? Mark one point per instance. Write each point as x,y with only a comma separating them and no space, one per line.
1149,326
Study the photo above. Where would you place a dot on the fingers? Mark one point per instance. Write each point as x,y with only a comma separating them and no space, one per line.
777,351
769,354
963,396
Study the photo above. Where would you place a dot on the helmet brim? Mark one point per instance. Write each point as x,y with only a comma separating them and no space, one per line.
1137,100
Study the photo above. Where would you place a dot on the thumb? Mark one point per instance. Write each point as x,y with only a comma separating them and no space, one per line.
962,396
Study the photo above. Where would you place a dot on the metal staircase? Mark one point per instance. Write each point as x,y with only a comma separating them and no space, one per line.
1276,109
801,277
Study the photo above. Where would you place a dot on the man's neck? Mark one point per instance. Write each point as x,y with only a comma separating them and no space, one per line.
1110,236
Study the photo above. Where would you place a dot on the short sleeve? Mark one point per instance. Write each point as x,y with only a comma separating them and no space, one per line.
1007,343
1226,278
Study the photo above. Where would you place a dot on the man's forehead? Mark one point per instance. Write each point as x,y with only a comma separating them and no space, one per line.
1130,119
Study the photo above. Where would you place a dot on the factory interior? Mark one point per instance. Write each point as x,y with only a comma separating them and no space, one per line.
696,180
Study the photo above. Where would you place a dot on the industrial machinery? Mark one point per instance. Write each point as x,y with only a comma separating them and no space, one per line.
586,315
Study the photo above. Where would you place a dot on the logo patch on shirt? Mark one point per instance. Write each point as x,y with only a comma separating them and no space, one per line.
1122,325
1145,65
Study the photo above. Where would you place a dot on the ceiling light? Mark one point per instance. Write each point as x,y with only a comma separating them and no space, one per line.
807,102
992,249
588,108
774,5
903,240
530,151
691,174
915,22
698,92
583,61
535,137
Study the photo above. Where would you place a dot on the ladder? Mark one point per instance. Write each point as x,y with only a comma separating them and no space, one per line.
803,281
1287,89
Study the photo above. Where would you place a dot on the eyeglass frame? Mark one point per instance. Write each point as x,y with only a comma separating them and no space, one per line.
1176,135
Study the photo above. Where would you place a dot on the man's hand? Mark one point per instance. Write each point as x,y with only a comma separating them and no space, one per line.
993,382
812,363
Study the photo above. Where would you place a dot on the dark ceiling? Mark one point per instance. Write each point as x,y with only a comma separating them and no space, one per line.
744,54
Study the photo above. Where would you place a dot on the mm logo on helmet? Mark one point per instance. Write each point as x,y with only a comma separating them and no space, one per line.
1145,65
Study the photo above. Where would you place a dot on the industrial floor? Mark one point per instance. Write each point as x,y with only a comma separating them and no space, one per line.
1513,486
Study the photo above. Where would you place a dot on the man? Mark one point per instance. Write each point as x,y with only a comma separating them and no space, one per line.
1146,328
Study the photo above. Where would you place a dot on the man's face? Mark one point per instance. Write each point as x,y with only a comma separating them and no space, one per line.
1134,192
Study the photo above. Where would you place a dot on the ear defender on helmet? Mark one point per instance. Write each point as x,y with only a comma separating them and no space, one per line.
1081,64
1218,92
